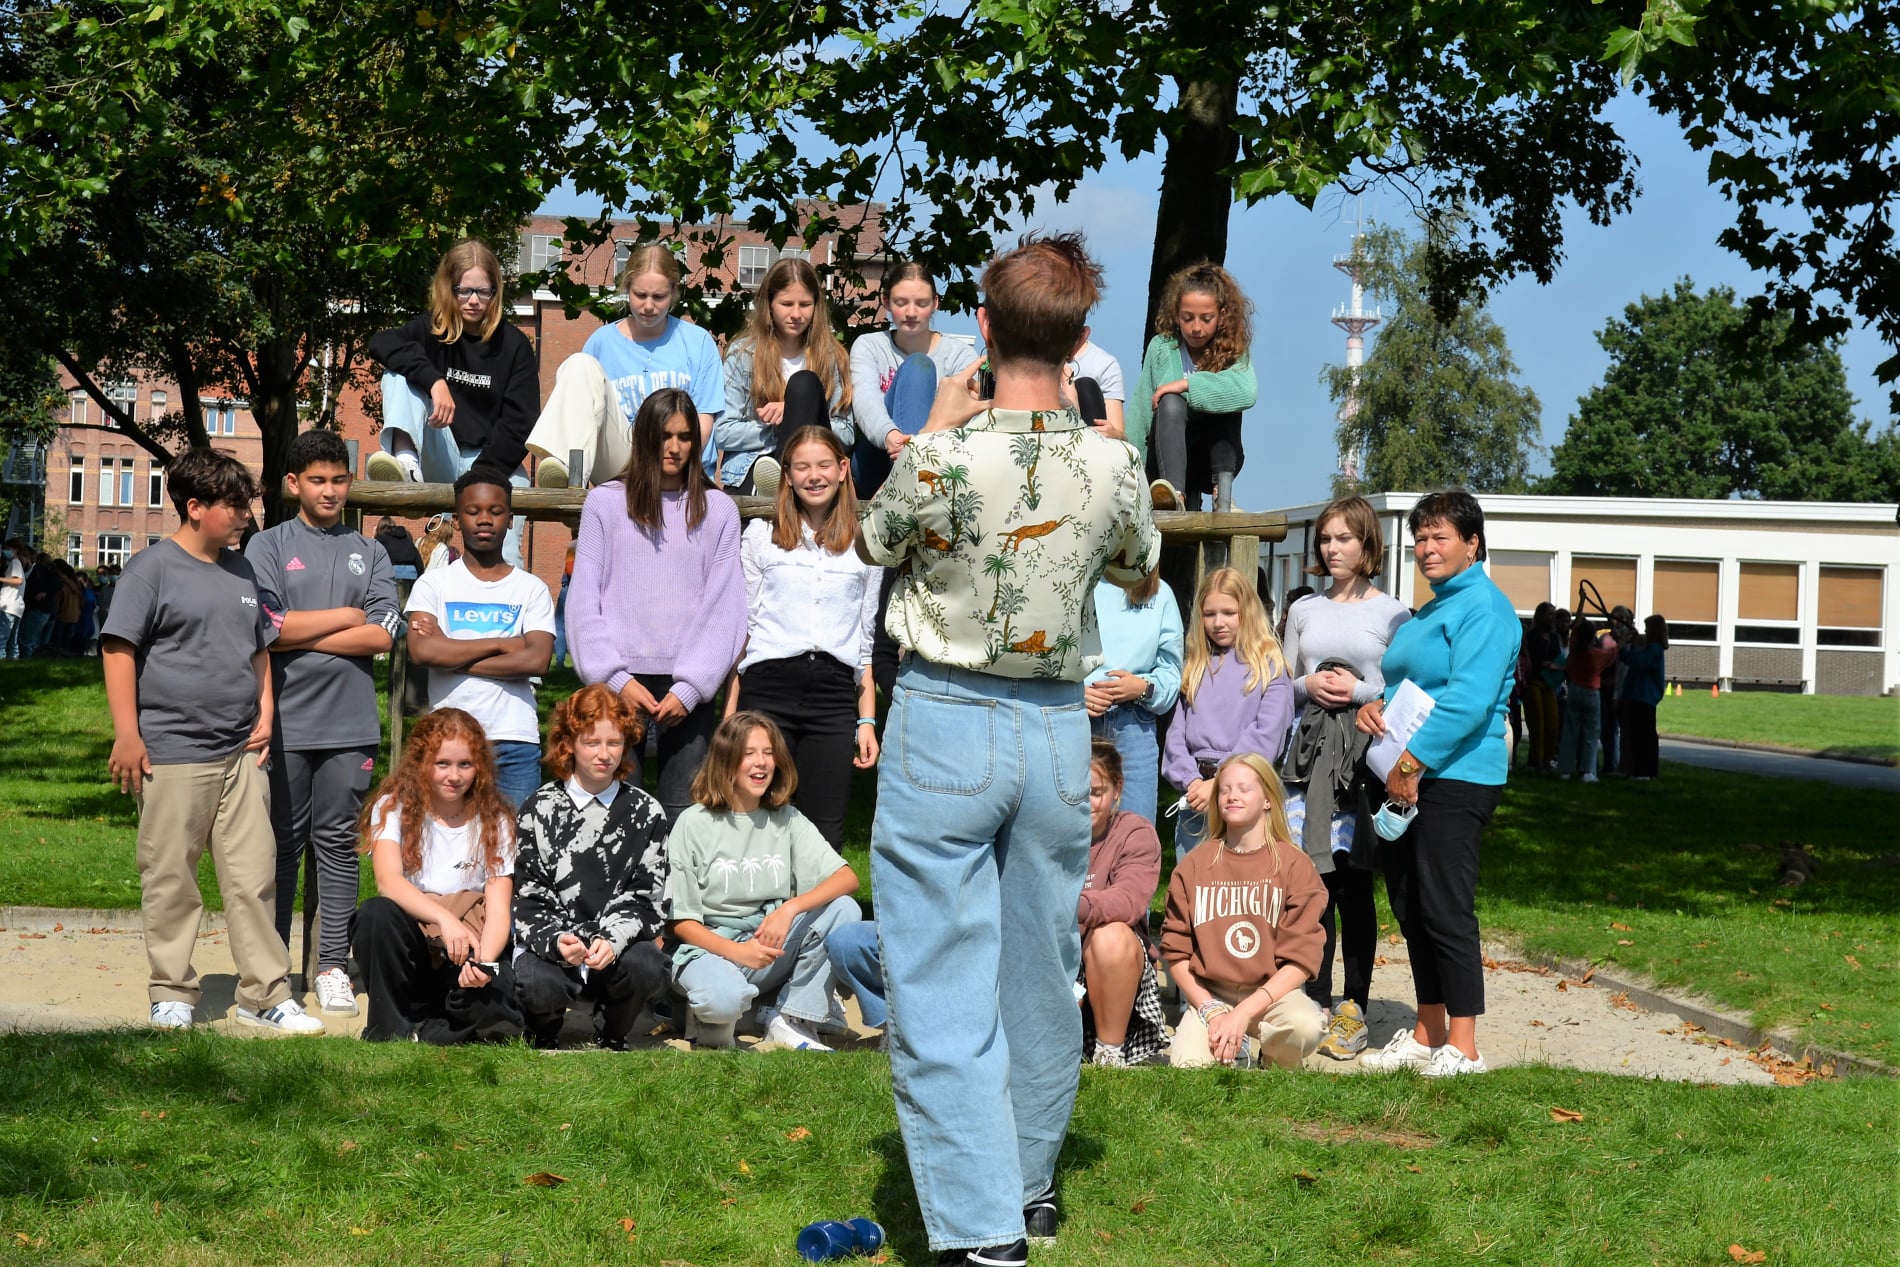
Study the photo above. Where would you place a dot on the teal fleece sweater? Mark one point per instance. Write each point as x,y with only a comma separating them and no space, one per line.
1227,391
1461,649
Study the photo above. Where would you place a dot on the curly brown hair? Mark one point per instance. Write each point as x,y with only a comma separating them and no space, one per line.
575,716
408,786
1233,336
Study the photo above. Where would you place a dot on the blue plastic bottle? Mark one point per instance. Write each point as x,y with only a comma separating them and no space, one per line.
830,1239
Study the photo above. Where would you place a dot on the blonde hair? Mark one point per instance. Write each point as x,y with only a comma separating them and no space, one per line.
824,355
649,258
1279,832
1255,647
839,531
445,315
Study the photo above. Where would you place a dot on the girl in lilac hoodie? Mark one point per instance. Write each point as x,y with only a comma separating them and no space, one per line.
1235,697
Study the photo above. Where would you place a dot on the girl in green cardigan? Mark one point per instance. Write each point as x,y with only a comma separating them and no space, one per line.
1196,380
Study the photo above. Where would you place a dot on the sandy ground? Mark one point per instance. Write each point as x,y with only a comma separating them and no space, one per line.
59,977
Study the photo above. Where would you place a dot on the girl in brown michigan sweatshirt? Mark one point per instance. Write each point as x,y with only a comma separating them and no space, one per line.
1242,931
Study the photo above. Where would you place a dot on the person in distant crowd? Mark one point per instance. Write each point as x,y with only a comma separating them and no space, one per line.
460,383
42,600
329,591
13,565
560,611
1621,632
191,734
433,942
484,629
1542,650
1643,687
1459,650
1590,658
405,561
69,605
1197,379
590,879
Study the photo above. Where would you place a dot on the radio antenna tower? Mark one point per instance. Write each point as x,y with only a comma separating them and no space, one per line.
1355,321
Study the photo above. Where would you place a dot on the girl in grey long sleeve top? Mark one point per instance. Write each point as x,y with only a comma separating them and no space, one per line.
1320,628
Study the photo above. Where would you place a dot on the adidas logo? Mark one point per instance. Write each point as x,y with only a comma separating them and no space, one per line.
295,565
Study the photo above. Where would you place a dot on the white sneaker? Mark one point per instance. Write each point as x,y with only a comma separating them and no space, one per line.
551,472
1164,495
1589,778
173,1014
1402,1051
1449,1062
335,994
287,1017
793,1033
765,477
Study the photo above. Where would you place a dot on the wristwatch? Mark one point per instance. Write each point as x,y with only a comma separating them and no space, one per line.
1409,767
1148,693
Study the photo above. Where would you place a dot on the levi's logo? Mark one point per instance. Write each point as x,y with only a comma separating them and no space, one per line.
295,565
490,620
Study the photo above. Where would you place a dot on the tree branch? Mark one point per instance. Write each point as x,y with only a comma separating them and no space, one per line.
125,422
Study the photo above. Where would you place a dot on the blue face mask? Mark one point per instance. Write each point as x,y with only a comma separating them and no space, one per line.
1393,819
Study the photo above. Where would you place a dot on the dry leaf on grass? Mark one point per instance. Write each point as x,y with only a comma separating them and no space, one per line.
743,1168
1624,941
1852,962
1415,1170
348,1145
1741,1255
627,1226
1620,927
1564,1115
1305,1180
1141,1203
359,1231
545,1179
798,1133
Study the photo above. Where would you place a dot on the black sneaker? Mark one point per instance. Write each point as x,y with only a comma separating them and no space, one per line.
1016,1255
1040,1217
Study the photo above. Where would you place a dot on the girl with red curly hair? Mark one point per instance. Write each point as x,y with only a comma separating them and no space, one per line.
433,944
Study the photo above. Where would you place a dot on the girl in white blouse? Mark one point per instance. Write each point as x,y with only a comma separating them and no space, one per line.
811,606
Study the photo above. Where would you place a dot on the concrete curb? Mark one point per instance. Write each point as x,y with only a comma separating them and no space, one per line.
42,918
1720,1023
1704,741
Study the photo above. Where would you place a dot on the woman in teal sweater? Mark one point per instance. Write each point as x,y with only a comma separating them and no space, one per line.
1196,379
1461,650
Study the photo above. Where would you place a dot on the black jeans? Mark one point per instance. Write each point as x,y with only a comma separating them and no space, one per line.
1192,449
814,699
1349,892
410,996
1431,879
1641,748
315,797
546,989
682,747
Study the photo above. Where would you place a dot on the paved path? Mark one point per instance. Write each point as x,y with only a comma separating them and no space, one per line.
1782,765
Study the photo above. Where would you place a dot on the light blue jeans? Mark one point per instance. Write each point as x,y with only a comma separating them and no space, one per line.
9,636
1583,732
517,769
978,854
860,968
1131,728
799,981
406,412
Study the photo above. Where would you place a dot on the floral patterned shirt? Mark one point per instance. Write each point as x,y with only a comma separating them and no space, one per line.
1002,527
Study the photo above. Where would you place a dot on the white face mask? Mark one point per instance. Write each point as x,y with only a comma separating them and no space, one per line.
1393,819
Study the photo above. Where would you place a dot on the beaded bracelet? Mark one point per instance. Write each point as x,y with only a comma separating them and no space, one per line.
867,721
1212,1007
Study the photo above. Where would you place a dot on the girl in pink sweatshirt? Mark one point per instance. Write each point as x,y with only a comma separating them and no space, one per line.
1122,1021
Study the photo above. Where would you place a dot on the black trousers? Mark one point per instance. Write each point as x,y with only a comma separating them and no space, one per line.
1349,894
1642,751
1431,879
410,996
805,405
1191,448
681,748
1089,401
546,988
814,699
885,653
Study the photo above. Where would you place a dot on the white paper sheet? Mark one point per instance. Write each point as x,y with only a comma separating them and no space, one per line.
1408,710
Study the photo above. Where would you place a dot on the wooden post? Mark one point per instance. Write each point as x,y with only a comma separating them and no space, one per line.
398,678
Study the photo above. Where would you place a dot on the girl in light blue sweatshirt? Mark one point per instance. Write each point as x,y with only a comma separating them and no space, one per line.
1137,681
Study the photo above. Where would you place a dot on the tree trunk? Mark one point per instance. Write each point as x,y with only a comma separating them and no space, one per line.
1196,191
279,373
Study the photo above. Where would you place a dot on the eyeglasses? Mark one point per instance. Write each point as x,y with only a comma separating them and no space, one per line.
474,292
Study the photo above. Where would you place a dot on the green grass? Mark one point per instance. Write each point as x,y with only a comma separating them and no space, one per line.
1842,724
208,1150
1689,863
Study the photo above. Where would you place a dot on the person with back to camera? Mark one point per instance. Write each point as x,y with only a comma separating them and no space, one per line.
1002,514
1124,1022
1137,682
1643,689
1235,697
433,942
1197,378
787,371
590,879
752,893
657,608
1590,658
188,680
810,604
1334,645
13,597
460,384
599,390
1459,650
1241,934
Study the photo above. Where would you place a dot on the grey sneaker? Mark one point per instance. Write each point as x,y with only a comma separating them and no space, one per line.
1346,1036
172,1014
1402,1051
765,477
287,1017
335,994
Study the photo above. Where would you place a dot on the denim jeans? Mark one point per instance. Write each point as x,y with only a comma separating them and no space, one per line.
798,982
1131,728
855,958
517,770
34,630
9,636
443,460
1583,722
978,854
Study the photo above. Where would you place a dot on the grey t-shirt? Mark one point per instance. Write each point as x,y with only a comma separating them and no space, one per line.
194,627
1318,629
324,700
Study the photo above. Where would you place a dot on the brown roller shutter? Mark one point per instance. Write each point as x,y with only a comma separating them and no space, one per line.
1614,578
1849,598
1687,590
1523,575
1770,591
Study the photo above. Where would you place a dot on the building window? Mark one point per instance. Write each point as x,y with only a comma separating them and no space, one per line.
795,253
753,261
1848,606
76,408
124,396
113,547
1685,592
540,252
1614,580
152,539
76,482
1523,575
106,484
159,401
75,550
126,475
623,251
1768,604
155,488
220,417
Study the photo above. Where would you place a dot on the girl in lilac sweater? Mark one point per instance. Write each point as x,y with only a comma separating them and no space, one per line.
656,609
1235,697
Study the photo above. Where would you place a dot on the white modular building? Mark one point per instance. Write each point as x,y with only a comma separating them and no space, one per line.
1793,596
